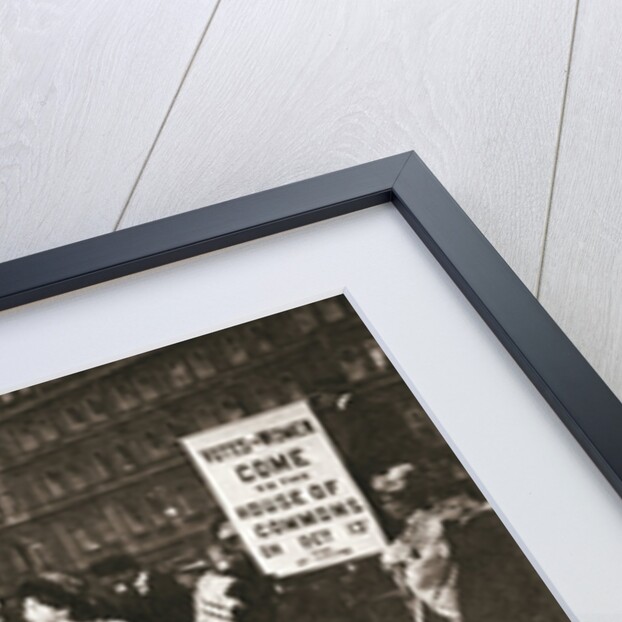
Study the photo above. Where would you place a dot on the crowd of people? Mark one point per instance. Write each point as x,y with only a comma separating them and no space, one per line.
448,555
117,589
223,586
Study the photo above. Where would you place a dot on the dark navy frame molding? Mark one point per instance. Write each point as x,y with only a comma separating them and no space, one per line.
581,399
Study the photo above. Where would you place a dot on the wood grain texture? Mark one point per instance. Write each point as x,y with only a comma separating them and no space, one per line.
84,87
582,271
282,91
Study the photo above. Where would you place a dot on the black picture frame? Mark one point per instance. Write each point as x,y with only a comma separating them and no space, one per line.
572,388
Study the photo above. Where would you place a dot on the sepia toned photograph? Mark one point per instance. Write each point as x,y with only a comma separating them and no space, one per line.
276,471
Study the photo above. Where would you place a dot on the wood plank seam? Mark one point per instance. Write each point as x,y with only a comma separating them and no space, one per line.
167,115
547,218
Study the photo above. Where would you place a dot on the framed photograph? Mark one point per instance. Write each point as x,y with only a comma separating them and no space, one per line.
328,401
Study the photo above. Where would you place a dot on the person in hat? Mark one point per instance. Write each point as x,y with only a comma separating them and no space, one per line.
57,597
232,589
136,594
453,556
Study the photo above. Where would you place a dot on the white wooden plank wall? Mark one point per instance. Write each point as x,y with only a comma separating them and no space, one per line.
84,87
283,90
112,114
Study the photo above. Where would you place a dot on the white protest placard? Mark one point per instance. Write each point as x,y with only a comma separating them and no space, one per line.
284,488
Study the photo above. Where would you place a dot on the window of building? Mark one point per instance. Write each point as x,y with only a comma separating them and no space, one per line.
201,363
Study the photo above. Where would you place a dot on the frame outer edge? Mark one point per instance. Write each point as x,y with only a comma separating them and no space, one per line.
577,394
192,233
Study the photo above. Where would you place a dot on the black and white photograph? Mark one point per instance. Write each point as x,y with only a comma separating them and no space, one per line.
274,471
